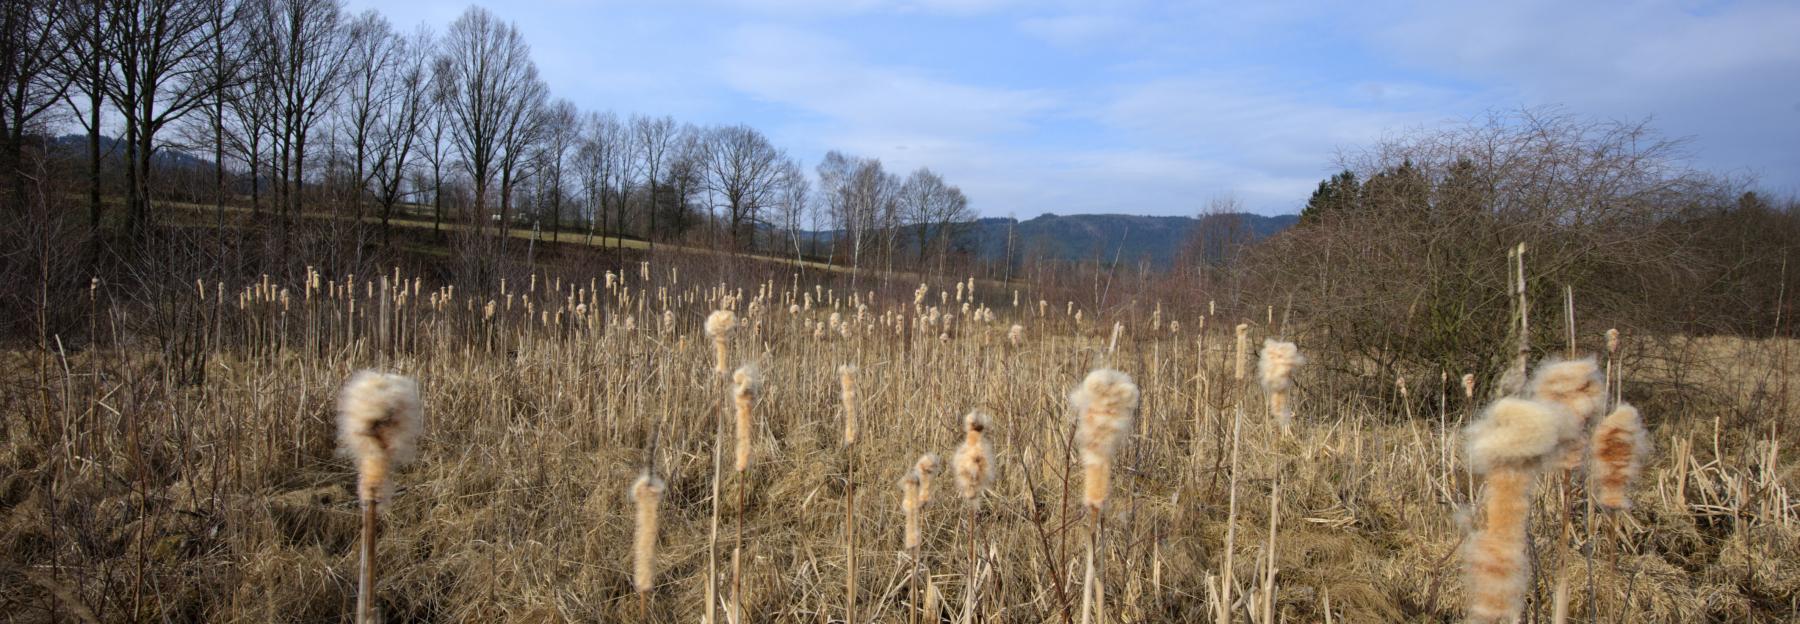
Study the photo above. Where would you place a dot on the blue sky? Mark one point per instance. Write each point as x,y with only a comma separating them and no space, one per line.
1157,108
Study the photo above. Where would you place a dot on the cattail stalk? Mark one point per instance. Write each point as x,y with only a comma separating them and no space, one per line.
743,395
1513,441
1104,403
718,327
847,393
1275,369
915,492
379,421
647,494
974,464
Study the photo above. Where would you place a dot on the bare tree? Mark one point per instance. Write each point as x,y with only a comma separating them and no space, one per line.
492,93
86,29
31,46
653,138
401,130
370,89
601,162
158,48
561,135
744,171
934,210
305,56
792,191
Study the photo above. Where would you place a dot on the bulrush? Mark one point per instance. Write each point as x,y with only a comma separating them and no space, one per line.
1577,387
974,461
1103,404
847,392
1619,447
1275,368
718,327
743,396
1510,444
915,492
647,495
379,421
1016,335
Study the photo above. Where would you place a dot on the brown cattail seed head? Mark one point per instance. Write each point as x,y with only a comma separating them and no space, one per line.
1016,335
1612,341
1518,434
1103,404
927,467
1468,385
743,395
1275,370
718,327
379,420
1620,443
910,504
1575,385
974,462
847,391
647,494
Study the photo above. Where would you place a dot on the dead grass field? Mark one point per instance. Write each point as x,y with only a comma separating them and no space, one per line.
196,478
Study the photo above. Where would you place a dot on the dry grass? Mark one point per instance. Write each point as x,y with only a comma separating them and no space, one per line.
131,491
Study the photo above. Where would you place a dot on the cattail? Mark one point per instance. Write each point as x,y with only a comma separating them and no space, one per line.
1612,341
847,392
974,460
927,467
1243,347
910,504
743,395
379,420
647,493
1510,444
1468,385
1016,335
1275,367
1103,403
1620,443
718,327
1577,387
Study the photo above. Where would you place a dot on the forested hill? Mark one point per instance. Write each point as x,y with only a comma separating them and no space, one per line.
1072,237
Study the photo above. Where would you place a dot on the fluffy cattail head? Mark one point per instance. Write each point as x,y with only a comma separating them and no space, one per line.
1275,366
910,504
847,391
743,395
1619,447
647,494
926,467
1103,403
1016,335
1517,433
975,458
379,420
1612,341
1574,384
718,327
1468,385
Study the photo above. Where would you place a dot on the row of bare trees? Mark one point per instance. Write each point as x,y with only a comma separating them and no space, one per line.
304,111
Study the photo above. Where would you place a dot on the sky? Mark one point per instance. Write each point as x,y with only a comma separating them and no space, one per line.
1161,108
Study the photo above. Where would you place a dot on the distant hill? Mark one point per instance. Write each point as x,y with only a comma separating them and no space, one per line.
1130,237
